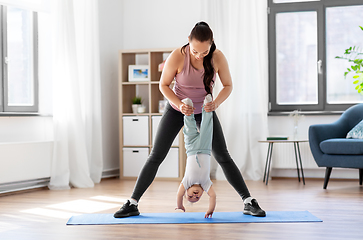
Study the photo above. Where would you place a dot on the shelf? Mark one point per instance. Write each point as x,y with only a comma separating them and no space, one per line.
144,146
135,83
146,51
150,94
129,91
136,114
155,98
137,146
142,114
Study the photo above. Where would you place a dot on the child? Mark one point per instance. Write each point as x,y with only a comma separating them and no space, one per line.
198,147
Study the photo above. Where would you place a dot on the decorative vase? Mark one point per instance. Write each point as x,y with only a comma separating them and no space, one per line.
162,104
296,128
141,109
135,107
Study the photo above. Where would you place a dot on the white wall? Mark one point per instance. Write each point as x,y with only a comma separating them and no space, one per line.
25,148
283,158
158,23
165,23
111,41
128,24
26,142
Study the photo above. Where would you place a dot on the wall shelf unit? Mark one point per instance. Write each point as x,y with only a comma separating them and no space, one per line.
138,130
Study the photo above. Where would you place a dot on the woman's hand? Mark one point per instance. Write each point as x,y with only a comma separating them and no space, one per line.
186,110
210,107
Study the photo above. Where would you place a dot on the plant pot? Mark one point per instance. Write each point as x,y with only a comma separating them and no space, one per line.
141,109
135,107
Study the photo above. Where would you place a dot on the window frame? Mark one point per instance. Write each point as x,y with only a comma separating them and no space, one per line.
320,8
4,107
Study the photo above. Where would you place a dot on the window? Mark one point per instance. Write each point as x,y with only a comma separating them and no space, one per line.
19,90
305,36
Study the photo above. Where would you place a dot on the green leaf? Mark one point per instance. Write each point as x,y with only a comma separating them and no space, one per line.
348,69
356,76
361,27
345,74
338,57
360,90
356,81
357,87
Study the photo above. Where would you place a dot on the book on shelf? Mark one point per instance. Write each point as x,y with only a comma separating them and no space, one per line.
277,138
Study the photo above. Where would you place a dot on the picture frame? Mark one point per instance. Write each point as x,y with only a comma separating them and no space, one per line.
139,73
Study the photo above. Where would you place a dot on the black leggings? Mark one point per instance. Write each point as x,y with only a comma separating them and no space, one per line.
170,124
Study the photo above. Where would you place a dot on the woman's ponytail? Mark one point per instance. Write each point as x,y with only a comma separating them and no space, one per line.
202,33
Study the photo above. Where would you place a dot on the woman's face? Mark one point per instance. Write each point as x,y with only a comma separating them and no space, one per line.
199,49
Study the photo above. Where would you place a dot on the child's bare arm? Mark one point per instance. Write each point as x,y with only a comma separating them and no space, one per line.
179,198
212,202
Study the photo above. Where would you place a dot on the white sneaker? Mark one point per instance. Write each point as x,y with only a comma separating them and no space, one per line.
208,99
188,102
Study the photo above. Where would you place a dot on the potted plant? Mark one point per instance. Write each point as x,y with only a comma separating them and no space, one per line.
136,103
354,55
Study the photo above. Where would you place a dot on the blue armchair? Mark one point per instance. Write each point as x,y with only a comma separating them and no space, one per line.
331,148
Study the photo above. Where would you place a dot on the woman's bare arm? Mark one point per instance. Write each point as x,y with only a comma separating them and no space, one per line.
221,67
171,67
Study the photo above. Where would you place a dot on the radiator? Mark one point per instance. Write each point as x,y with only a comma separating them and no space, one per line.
283,156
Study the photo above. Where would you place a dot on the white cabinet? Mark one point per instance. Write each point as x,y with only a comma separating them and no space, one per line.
155,124
135,158
136,130
170,166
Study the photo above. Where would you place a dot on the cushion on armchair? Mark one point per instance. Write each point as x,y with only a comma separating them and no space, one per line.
342,146
357,131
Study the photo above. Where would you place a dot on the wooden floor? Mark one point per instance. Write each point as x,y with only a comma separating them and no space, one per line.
43,214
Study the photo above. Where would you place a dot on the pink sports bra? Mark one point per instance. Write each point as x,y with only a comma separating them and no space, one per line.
189,84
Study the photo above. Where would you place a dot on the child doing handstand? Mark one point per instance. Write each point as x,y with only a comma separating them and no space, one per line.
198,147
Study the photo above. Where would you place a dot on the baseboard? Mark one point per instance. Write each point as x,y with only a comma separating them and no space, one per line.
21,186
318,173
111,173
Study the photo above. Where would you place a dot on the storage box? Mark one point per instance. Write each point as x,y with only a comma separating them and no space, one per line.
136,130
170,166
133,161
135,158
155,124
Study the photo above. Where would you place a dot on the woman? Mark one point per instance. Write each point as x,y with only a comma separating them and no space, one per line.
194,67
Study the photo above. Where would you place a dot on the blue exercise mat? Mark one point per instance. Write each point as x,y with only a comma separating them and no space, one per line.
194,217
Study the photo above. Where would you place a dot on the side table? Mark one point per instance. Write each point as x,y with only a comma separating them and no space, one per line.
297,157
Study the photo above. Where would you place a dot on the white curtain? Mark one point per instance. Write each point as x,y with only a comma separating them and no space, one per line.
77,157
240,32
33,5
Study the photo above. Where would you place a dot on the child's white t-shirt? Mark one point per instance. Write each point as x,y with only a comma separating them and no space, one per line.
197,171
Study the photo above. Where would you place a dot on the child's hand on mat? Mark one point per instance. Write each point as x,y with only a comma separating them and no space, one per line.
208,214
181,208
210,107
